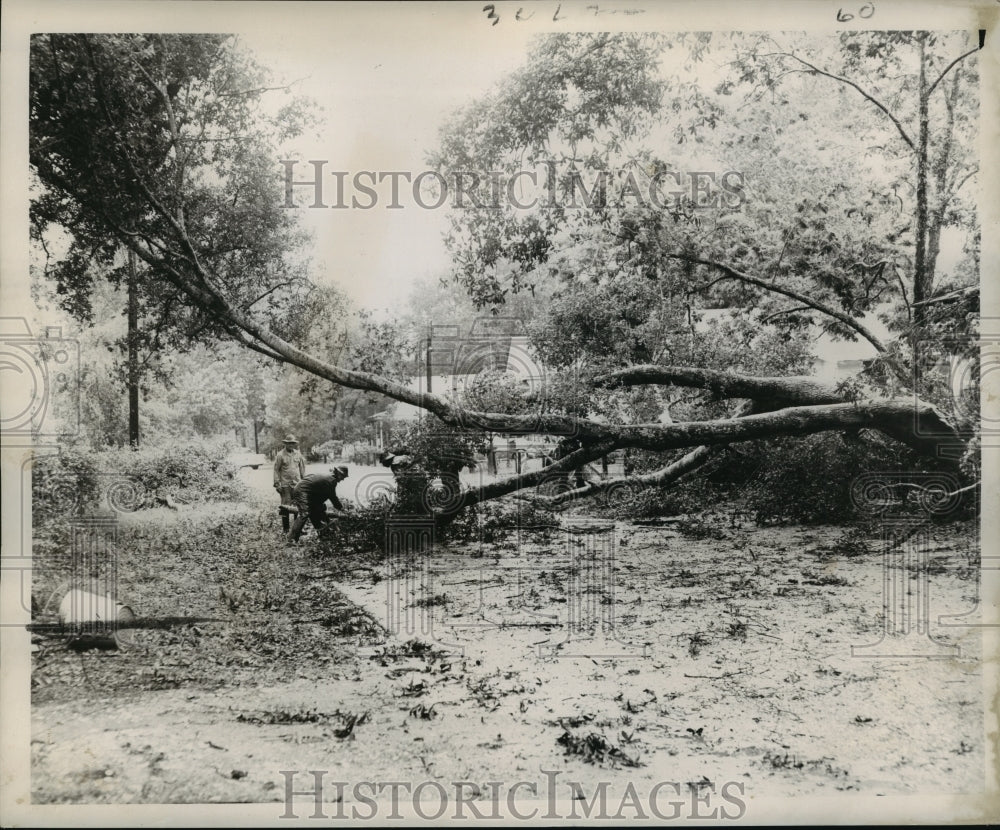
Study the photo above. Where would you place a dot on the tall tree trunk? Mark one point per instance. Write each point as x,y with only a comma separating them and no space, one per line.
133,353
942,164
921,276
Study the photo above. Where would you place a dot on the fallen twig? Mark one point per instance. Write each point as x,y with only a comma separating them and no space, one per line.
714,676
62,629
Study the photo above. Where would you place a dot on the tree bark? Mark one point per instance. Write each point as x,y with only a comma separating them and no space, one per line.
793,389
659,478
133,353
920,426
921,279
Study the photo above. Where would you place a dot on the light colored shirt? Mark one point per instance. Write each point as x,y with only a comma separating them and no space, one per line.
289,467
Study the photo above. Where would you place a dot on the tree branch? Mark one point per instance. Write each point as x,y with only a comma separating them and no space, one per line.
270,290
784,311
732,273
866,95
917,424
795,389
948,69
957,294
667,475
512,484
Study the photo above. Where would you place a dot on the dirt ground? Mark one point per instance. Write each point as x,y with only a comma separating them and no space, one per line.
777,661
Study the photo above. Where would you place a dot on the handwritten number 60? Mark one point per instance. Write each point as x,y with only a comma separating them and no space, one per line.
866,11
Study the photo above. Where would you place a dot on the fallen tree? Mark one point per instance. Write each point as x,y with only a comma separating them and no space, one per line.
118,141
777,406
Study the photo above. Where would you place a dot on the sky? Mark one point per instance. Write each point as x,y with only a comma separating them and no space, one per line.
384,84
386,76
381,109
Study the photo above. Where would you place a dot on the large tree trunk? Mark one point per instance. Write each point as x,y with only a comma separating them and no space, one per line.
663,477
799,389
133,353
920,426
921,276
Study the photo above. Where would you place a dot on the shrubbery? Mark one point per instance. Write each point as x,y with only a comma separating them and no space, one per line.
497,520
74,481
437,447
646,502
189,471
63,484
809,479
786,479
363,531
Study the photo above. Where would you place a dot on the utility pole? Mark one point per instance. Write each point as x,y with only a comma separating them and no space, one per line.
430,330
133,353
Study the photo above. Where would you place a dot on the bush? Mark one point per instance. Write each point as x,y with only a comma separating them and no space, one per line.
804,480
191,471
75,481
363,531
63,484
497,520
809,479
360,532
653,501
436,447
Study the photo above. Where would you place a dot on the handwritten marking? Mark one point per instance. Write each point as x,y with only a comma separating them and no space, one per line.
866,11
521,15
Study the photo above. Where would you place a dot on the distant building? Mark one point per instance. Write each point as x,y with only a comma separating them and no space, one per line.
453,360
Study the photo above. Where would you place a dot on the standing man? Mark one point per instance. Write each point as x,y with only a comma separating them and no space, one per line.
289,468
311,495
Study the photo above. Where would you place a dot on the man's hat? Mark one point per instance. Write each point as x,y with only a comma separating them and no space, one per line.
291,439
397,462
341,471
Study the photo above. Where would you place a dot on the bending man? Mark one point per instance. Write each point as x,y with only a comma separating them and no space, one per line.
311,495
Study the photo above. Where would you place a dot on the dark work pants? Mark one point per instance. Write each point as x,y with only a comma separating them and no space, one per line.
308,511
285,491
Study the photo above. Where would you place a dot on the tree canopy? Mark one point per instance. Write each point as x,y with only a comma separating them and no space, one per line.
159,145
